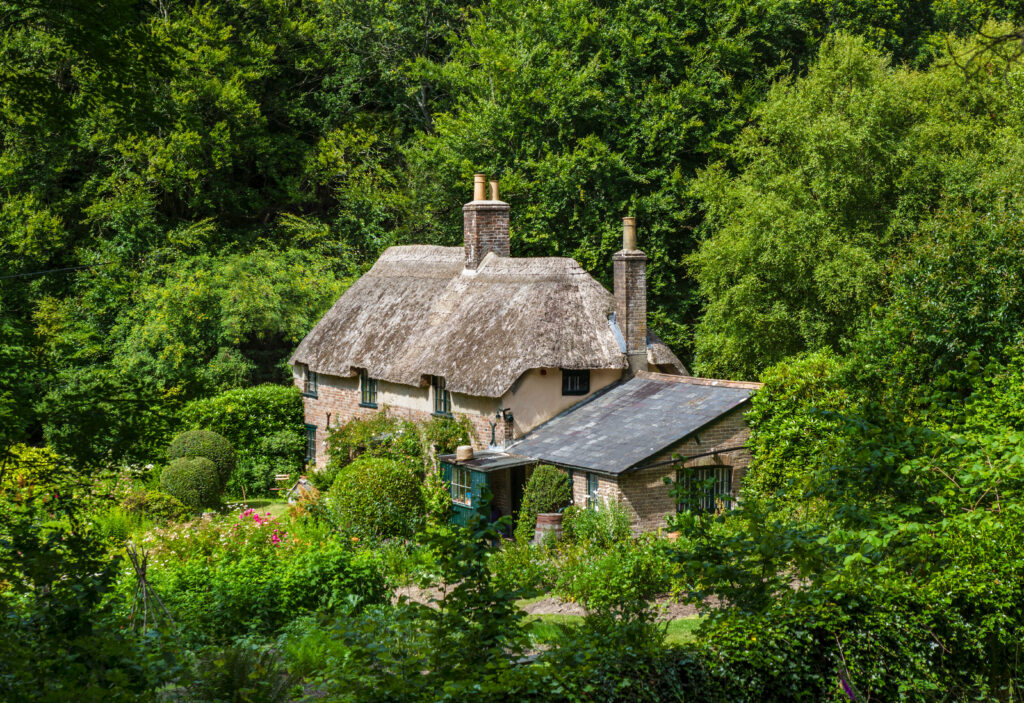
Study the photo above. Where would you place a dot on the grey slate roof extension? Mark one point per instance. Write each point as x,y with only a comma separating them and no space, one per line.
616,430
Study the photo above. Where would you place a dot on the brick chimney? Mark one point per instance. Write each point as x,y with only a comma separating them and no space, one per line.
484,223
629,268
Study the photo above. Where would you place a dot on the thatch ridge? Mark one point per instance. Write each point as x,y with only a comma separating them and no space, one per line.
419,313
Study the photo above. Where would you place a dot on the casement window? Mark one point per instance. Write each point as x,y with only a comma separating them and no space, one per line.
704,488
311,445
308,381
462,491
593,485
442,398
575,382
368,390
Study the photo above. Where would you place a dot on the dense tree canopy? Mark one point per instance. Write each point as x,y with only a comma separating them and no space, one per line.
251,158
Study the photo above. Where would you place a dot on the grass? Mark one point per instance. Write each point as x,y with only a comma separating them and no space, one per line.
544,628
277,507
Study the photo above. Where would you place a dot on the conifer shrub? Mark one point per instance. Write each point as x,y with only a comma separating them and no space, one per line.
547,491
192,480
377,497
208,445
155,505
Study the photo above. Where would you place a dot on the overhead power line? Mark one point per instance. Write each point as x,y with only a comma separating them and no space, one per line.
30,274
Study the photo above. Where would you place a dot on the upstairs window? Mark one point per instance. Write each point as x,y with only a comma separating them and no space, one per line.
311,445
704,488
368,388
308,381
575,382
442,398
462,492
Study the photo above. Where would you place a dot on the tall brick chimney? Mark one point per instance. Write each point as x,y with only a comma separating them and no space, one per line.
629,268
484,223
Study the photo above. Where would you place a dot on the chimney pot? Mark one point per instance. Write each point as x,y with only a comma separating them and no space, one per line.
629,268
484,223
629,233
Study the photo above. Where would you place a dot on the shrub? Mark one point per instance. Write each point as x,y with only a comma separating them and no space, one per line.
193,481
246,574
264,423
546,492
118,524
627,576
155,505
377,497
208,445
602,526
521,566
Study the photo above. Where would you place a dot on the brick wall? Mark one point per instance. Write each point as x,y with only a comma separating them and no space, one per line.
341,396
644,492
485,228
629,269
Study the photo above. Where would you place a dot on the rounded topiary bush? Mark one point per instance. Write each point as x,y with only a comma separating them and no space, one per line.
208,445
377,497
192,480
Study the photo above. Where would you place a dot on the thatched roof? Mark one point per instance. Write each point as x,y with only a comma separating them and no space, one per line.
419,313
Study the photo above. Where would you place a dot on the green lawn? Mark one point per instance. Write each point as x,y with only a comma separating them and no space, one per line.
544,628
277,507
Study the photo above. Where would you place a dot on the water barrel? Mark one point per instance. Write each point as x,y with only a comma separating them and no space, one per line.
548,524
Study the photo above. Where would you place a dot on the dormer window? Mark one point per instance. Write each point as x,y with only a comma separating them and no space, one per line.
368,390
308,381
575,382
442,398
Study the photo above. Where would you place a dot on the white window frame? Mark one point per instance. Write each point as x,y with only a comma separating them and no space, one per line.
462,485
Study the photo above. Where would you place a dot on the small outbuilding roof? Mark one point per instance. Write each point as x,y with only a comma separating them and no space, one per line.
419,313
616,430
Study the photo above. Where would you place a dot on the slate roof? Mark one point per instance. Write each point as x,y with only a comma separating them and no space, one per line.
614,431
420,313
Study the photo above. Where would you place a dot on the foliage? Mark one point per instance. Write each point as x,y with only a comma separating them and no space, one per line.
901,581
264,423
194,481
206,445
155,505
57,637
242,671
377,497
522,566
263,575
447,433
466,646
547,491
625,577
600,526
377,435
837,173
118,525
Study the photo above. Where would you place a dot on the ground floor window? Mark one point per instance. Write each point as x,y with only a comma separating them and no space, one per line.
593,484
461,490
311,444
704,487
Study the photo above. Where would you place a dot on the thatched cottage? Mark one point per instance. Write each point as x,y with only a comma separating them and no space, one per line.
521,347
